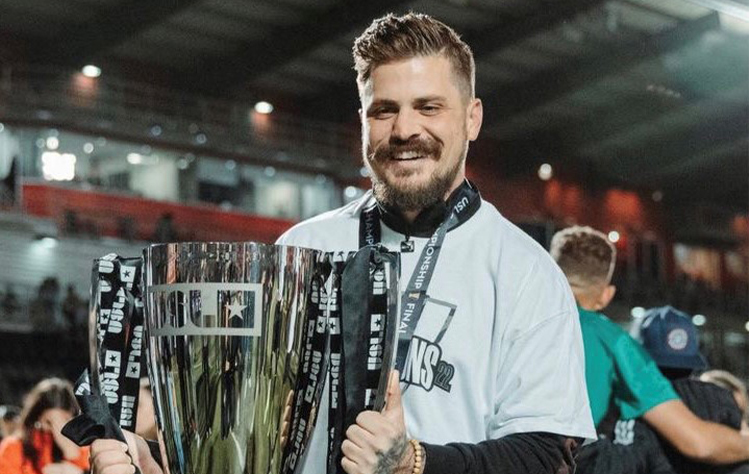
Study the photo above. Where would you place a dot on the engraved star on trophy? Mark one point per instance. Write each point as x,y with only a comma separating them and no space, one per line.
239,338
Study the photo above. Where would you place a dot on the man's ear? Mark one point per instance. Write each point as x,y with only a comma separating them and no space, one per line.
474,118
607,295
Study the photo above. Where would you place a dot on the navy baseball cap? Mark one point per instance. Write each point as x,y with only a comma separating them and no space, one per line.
671,339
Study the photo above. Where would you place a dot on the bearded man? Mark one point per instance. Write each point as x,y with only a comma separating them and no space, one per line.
491,367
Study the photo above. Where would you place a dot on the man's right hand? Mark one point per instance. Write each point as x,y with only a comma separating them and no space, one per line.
109,456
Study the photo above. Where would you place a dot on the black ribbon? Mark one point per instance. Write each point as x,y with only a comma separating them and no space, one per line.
314,361
109,404
119,334
363,342
465,198
95,421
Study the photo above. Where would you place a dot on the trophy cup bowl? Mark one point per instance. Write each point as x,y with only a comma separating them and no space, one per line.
225,326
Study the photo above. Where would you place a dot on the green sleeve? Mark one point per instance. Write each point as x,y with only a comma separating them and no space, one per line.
638,385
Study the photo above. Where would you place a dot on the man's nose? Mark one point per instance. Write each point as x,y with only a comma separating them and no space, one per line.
406,125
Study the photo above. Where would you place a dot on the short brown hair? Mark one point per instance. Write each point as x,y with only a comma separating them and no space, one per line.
393,38
585,255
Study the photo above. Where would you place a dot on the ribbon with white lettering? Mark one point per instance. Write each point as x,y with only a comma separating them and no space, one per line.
118,312
362,341
95,421
336,374
415,295
108,392
369,226
308,391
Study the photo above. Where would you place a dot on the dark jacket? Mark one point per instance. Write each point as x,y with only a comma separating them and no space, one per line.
634,448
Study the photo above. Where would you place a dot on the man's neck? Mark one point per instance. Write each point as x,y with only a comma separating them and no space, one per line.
587,299
411,215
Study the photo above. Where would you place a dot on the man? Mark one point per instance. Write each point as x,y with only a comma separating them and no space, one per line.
620,372
496,362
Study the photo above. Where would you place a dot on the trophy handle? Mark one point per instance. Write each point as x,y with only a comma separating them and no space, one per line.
391,263
93,337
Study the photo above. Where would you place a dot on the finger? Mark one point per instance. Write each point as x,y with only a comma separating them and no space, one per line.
351,450
110,458
349,466
101,445
135,444
119,469
373,422
393,381
360,437
393,404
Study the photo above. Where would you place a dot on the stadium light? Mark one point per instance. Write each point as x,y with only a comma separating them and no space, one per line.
545,172
91,71
263,107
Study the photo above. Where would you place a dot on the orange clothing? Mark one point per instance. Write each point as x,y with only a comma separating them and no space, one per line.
13,461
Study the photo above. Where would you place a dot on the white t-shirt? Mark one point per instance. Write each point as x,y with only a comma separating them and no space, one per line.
510,360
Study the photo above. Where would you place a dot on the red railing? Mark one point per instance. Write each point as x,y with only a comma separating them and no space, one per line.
108,214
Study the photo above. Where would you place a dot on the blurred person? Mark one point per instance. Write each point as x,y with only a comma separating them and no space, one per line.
513,399
71,223
10,303
10,420
73,309
671,339
38,446
730,382
165,231
621,373
46,308
8,184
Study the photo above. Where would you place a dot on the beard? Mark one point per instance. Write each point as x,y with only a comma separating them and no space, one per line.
405,196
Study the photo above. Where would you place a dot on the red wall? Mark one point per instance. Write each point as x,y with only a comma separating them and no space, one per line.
195,222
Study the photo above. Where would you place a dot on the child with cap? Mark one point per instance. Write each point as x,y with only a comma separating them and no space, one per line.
620,372
672,340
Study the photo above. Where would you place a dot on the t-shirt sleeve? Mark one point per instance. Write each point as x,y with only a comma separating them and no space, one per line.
638,385
540,384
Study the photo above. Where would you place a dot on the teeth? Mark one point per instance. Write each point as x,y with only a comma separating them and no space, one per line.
408,155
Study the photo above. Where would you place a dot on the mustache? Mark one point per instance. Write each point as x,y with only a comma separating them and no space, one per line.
417,145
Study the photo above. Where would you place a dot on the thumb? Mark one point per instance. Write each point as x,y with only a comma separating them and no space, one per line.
393,403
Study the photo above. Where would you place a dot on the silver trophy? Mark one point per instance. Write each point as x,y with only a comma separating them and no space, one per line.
239,339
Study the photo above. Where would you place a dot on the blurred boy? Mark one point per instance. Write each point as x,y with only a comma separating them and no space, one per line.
619,371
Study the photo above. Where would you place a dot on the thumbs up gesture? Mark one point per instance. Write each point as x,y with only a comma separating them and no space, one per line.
377,443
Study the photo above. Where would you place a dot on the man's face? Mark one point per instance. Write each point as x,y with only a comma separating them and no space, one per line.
416,125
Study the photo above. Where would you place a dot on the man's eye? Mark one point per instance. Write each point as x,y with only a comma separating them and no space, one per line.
382,113
430,109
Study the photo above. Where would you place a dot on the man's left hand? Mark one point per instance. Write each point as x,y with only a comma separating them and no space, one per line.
377,443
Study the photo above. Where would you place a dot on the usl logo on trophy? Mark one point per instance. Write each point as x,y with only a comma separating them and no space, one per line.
208,309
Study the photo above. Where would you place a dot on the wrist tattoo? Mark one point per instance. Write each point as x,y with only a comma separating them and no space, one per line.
388,461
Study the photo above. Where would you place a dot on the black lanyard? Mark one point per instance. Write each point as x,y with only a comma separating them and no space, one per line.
415,296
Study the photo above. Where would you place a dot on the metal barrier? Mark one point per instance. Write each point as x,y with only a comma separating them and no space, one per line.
108,105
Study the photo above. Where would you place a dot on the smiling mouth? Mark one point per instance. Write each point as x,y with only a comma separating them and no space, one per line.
408,156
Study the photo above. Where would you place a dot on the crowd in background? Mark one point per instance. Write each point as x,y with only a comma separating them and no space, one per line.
32,436
31,439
